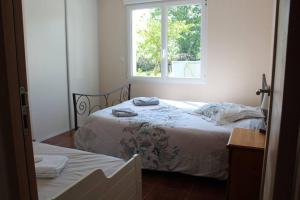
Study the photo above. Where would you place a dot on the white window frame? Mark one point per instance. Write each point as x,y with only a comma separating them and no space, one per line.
164,28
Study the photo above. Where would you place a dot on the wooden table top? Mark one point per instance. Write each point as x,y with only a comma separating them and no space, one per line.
246,138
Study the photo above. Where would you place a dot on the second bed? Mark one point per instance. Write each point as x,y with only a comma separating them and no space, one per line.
90,176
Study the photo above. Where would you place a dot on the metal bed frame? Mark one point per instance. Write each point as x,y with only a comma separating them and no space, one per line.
83,106
265,88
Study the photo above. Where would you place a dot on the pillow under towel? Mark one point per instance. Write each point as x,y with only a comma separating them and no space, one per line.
49,166
224,113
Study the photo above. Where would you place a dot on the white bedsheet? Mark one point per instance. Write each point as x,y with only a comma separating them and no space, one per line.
169,137
79,165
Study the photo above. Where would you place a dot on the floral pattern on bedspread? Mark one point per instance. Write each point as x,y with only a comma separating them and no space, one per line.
167,115
151,142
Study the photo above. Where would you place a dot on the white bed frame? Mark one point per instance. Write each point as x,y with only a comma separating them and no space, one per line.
124,184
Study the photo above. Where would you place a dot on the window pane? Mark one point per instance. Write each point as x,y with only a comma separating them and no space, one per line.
184,44
146,42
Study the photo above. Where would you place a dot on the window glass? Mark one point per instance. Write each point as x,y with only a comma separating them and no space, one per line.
146,42
167,41
184,44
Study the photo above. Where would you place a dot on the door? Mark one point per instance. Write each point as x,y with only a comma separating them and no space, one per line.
280,157
297,177
17,166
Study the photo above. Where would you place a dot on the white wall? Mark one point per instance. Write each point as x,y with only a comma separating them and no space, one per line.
46,66
45,35
83,37
240,45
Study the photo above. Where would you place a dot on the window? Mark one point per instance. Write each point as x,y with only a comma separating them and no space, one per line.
167,40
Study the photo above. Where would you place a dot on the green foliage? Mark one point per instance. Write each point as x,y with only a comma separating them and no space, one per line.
149,49
184,29
184,33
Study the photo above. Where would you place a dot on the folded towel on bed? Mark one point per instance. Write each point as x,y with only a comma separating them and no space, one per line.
38,159
49,166
146,101
124,112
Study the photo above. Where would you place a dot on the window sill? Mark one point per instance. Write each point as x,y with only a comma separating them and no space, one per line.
188,81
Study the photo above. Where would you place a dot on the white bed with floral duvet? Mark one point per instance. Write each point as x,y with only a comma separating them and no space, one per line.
169,137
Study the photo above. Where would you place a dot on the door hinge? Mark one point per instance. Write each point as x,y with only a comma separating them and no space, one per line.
24,110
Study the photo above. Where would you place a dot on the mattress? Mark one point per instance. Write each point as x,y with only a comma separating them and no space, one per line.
168,136
79,165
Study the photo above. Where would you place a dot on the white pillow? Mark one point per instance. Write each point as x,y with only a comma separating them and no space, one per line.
208,111
224,113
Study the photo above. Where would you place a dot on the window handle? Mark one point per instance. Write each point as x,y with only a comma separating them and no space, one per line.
164,53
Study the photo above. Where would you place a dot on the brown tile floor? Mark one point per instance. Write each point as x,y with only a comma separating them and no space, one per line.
166,186
173,186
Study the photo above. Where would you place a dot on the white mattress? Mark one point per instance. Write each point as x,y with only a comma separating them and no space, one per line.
79,165
169,137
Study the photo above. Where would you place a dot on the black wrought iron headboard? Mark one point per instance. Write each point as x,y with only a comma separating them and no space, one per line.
265,88
86,104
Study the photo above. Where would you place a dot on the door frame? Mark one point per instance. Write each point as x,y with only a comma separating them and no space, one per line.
18,179
282,140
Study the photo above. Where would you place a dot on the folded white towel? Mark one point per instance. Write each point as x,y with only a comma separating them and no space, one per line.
146,101
124,112
50,166
38,159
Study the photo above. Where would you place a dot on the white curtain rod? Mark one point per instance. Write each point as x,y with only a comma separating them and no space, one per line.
131,2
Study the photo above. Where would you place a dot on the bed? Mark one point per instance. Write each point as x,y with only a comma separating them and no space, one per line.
90,176
169,136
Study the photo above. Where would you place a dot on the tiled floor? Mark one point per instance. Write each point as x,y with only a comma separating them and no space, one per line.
166,186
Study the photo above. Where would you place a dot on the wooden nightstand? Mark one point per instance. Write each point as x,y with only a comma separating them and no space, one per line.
246,152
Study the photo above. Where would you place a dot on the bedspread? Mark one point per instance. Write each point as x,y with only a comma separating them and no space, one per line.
169,137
